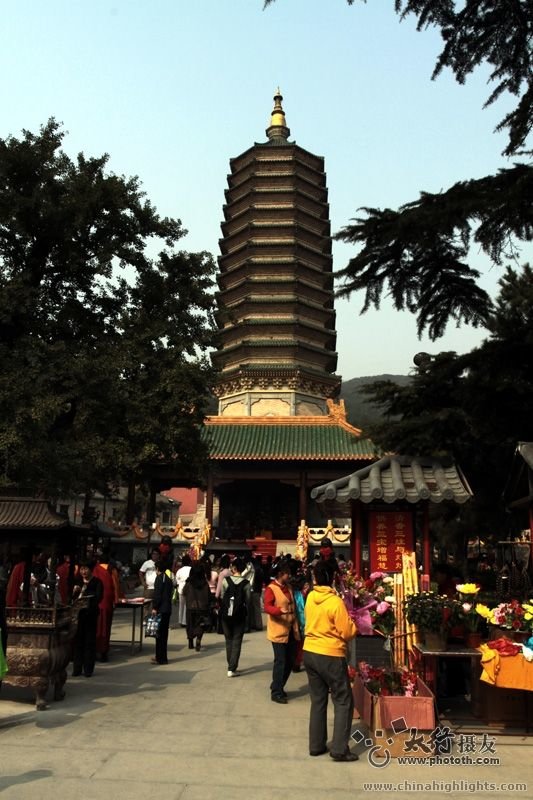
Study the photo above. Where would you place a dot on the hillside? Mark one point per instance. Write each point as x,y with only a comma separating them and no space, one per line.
360,411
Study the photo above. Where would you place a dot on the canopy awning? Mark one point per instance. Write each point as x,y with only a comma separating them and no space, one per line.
397,478
29,513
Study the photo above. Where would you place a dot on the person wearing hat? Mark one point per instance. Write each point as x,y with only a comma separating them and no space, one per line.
328,554
282,629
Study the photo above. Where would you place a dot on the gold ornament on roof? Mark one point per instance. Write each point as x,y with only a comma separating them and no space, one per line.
278,125
336,410
278,115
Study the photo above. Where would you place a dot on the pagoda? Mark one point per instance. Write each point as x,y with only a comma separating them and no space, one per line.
276,317
279,431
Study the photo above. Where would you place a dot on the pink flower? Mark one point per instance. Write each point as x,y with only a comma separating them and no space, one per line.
467,608
376,575
382,607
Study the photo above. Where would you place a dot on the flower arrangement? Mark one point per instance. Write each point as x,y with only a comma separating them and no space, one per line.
387,682
528,616
464,610
370,601
428,610
509,615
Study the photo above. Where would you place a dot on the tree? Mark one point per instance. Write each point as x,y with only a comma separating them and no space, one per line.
102,346
473,407
419,252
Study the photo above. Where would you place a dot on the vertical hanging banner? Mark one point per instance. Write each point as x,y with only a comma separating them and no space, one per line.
390,535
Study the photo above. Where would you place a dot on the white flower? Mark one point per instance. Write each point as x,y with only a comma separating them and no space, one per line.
390,599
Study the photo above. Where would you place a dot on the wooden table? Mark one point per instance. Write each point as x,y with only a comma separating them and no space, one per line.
135,603
429,662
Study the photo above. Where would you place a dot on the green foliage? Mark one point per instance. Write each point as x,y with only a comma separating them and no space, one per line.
101,346
482,31
426,610
477,32
472,408
418,253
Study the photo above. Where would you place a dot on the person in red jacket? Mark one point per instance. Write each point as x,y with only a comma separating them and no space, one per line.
106,607
282,629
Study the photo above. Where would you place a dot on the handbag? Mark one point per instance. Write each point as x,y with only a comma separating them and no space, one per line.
152,625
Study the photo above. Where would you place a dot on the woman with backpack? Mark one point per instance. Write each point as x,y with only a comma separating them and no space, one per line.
196,595
236,601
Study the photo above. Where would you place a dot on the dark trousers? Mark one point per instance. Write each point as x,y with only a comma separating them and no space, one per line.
325,674
196,620
85,643
255,612
233,633
161,640
3,624
284,655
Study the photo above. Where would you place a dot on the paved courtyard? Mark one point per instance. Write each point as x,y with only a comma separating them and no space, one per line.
186,731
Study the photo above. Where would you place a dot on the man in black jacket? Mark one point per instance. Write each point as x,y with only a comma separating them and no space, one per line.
90,589
162,604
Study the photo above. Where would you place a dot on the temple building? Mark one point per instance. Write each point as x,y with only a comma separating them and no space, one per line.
279,430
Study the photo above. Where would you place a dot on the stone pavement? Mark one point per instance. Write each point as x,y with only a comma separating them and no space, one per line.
186,731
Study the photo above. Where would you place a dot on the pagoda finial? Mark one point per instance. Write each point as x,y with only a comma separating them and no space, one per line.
278,127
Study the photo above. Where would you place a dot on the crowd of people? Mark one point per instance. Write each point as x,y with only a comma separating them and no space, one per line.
307,622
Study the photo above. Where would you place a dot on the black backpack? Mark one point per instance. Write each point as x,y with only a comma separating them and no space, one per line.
233,606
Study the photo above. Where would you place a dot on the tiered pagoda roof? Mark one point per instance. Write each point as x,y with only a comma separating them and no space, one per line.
320,438
275,302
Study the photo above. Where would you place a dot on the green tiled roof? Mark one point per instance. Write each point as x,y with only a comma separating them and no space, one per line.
316,441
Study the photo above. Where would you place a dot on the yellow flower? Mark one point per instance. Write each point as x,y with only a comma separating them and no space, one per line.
484,611
467,588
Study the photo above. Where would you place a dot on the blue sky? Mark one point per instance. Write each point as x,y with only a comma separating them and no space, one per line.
173,89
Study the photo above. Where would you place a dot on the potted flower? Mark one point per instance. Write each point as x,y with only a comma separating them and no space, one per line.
427,610
528,616
465,612
509,619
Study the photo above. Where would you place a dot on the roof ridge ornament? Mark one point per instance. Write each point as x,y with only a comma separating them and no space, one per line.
278,127
336,410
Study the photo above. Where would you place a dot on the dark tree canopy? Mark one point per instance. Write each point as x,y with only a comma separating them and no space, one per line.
475,32
102,346
419,253
472,407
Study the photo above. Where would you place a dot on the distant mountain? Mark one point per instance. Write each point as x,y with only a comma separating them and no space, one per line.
360,411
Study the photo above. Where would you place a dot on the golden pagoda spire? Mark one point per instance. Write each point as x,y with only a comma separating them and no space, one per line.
278,126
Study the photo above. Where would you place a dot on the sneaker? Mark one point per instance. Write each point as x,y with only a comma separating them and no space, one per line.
231,674
276,698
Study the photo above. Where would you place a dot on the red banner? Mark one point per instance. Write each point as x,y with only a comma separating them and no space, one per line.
390,534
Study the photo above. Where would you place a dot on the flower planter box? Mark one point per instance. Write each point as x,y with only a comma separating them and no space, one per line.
380,712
